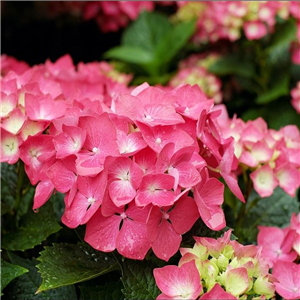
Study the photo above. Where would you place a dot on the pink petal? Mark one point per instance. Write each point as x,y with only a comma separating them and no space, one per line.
287,273
184,214
62,178
264,181
167,241
101,232
217,293
121,192
43,192
70,141
179,282
132,241
156,189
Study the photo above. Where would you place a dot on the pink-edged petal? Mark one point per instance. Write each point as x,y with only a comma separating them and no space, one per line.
184,214
217,293
179,282
101,232
9,147
132,241
237,281
32,128
289,179
14,122
262,152
167,241
43,191
264,181
255,30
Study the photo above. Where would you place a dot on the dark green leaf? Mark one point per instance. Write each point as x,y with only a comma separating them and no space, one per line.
138,280
233,65
275,210
130,54
25,286
9,272
277,114
279,88
109,291
174,41
34,228
147,31
66,264
26,202
281,40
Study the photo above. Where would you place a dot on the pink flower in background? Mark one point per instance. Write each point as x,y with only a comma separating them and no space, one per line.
295,93
178,282
255,30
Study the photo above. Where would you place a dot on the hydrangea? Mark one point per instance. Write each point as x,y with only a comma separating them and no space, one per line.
229,19
271,157
193,70
226,269
281,249
139,166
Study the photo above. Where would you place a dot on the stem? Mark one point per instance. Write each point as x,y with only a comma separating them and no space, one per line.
21,173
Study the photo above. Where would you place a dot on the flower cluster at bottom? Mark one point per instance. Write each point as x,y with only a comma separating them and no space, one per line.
217,269
281,249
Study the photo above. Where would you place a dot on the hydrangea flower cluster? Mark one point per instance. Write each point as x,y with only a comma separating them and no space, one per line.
9,63
109,15
228,19
272,157
281,249
193,70
126,160
217,269
295,93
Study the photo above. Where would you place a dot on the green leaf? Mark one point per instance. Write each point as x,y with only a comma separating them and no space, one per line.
174,41
25,286
277,114
130,54
138,280
33,229
66,264
147,31
275,210
109,291
233,65
10,272
281,40
280,87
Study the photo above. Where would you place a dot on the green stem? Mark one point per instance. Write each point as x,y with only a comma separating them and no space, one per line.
21,174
